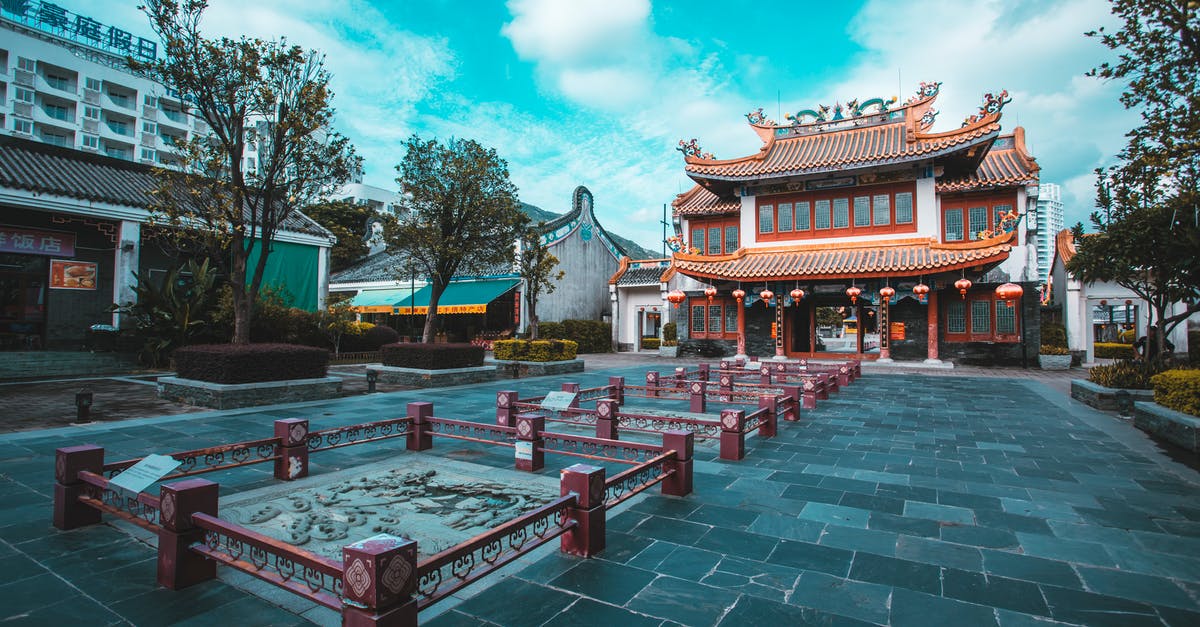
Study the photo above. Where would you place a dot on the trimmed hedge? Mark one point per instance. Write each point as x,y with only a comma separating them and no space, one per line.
1054,334
1125,374
368,337
650,342
1178,390
1113,350
592,336
534,350
431,356
250,363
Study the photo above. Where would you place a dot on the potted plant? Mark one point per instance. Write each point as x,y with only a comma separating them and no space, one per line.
670,344
1053,354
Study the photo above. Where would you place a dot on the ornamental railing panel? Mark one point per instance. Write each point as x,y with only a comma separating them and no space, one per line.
337,437
141,509
210,459
597,448
472,431
629,483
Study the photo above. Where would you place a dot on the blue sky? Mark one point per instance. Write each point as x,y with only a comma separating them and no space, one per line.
598,92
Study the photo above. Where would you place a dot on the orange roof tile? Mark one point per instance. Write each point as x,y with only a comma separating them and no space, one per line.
1006,164
904,257
1064,245
699,201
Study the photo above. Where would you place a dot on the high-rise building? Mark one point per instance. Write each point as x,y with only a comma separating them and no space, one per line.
1049,223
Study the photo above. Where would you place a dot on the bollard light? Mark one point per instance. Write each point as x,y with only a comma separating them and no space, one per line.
372,377
83,404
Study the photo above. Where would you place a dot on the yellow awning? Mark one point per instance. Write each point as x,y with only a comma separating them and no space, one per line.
378,301
461,297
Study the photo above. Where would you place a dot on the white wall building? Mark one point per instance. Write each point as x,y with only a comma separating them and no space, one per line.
1049,223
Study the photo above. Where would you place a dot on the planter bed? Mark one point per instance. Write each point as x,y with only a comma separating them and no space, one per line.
1170,425
421,378
234,395
1101,397
512,369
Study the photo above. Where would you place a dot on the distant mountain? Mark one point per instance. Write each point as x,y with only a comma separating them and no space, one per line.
537,214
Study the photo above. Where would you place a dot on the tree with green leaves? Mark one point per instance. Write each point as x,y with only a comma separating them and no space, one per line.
536,267
463,213
1148,218
350,223
262,99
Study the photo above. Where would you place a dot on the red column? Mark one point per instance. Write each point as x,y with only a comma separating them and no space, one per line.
858,336
812,327
779,326
933,326
741,341
885,339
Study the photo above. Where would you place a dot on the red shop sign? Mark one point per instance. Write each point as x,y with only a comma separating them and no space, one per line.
34,242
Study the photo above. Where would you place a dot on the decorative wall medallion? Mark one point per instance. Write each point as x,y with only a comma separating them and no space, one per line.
299,430
729,420
502,399
358,578
396,574
168,506
764,370
604,410
808,385
60,468
524,428
725,380
696,388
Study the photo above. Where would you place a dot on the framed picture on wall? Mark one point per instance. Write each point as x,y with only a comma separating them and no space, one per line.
72,275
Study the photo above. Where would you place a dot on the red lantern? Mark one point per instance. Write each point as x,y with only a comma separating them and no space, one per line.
739,294
1010,291
710,292
887,292
675,297
963,285
797,296
920,289
1128,303
853,293
766,295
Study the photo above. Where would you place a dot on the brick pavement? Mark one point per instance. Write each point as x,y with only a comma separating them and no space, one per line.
907,499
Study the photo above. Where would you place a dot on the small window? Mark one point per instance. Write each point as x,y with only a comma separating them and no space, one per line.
22,126
841,213
92,83
24,95
981,316
149,101
698,239
731,239
698,319
821,219
1006,317
956,317
785,217
55,139
91,113
731,313
802,216
150,127
977,221
883,209
90,141
766,219
714,240
904,208
58,82
714,319
58,112
26,64
862,211
148,154
954,225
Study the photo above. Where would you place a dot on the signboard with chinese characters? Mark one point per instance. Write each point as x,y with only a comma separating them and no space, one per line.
896,331
558,401
53,18
143,474
34,242
72,275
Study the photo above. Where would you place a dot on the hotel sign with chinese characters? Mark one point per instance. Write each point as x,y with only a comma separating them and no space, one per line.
55,19
33,242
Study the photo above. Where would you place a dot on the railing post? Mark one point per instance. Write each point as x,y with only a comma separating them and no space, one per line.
682,442
844,376
765,375
529,436
652,383
725,364
618,386
767,428
587,484
574,389
379,577
698,390
725,382
419,436
69,513
808,397
606,419
680,378
793,413
293,448
733,441
506,411
703,369
823,388
179,566
831,381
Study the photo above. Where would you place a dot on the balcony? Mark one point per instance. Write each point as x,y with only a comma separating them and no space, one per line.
117,131
177,117
57,85
119,101
54,116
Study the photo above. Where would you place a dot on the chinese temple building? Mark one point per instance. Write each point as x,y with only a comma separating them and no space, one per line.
856,230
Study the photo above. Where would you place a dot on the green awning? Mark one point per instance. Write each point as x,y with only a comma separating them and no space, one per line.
378,301
459,297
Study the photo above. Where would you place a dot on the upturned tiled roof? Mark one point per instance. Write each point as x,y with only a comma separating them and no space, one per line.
1006,164
699,201
1064,245
902,257
393,266
47,169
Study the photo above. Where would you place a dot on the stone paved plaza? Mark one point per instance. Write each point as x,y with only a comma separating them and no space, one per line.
907,499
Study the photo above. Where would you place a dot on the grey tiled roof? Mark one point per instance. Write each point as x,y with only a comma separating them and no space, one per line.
386,266
43,168
642,276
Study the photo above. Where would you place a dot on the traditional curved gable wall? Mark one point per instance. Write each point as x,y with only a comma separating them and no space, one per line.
587,256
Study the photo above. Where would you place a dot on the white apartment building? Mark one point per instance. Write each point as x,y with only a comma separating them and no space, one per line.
1049,223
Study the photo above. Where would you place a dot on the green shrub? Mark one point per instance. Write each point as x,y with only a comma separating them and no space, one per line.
249,363
1054,334
363,336
1053,350
670,334
1193,336
1113,350
550,330
592,336
1178,390
534,350
650,343
1125,374
431,356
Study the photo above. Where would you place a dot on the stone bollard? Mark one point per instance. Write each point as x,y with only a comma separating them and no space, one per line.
574,389
808,394
506,410
606,419
793,392
379,579
69,461
697,400
178,565
764,375
293,448
683,443
768,427
703,370
529,442
587,484
419,436
652,383
372,377
617,392
733,441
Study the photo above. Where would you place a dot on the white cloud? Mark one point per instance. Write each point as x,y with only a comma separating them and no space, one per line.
579,31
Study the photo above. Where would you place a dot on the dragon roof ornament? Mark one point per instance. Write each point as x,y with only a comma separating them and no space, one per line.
925,90
758,117
692,149
992,104
852,109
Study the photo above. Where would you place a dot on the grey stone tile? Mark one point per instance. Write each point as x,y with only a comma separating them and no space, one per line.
859,600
